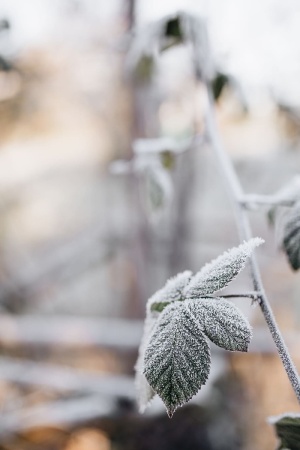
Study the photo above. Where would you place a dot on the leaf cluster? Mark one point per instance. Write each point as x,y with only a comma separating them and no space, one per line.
174,357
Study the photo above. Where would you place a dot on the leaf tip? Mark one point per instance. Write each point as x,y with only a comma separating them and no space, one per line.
255,242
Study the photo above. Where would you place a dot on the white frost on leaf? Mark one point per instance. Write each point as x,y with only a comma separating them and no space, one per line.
144,391
177,358
222,323
171,292
221,271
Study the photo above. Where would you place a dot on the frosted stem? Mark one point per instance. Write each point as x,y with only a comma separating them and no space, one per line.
253,201
237,195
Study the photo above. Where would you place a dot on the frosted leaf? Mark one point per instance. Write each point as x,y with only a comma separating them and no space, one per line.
177,359
222,323
291,236
221,271
288,430
171,292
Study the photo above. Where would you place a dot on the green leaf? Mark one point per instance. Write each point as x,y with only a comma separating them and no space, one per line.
222,323
173,28
221,271
218,83
291,236
287,428
177,359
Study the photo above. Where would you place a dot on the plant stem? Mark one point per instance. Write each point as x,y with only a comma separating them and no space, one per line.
237,195
253,295
253,201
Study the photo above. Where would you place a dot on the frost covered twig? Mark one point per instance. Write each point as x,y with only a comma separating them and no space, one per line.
236,193
255,201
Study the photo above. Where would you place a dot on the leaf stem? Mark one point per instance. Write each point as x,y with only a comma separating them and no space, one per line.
254,295
237,195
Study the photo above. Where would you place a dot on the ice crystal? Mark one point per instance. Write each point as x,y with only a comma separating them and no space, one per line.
221,271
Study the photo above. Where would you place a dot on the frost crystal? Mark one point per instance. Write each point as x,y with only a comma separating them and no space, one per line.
221,271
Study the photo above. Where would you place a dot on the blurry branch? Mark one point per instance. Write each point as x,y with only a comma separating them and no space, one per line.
66,331
58,265
57,413
55,378
80,333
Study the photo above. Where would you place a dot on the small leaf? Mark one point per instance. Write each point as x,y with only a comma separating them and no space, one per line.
173,28
219,82
145,68
168,159
158,190
222,323
288,430
177,359
171,292
291,236
221,271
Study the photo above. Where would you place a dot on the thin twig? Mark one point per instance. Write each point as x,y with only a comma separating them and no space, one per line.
236,193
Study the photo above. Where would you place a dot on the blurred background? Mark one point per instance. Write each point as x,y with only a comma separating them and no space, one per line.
92,222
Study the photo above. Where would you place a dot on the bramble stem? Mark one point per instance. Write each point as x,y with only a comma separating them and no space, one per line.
237,195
